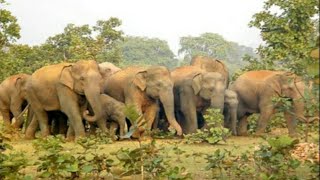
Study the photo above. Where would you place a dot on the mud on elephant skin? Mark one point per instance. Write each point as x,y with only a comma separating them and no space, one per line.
13,100
195,90
113,110
256,89
60,87
143,87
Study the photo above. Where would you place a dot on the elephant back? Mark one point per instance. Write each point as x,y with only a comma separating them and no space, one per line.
211,65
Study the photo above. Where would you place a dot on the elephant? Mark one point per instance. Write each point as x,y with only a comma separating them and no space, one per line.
12,101
230,110
108,67
211,65
256,89
143,87
113,110
195,90
63,87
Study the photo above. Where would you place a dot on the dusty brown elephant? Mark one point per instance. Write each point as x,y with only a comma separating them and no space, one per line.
195,90
62,87
211,65
143,87
113,110
12,101
255,90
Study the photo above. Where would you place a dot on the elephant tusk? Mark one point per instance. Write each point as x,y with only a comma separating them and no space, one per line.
25,109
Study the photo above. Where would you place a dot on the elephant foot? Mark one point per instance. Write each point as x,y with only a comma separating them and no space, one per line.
29,137
70,138
243,133
294,135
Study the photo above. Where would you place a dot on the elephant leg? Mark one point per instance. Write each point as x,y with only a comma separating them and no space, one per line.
150,114
243,125
188,108
63,125
16,111
6,117
71,108
263,120
32,128
113,129
102,124
40,114
291,124
70,133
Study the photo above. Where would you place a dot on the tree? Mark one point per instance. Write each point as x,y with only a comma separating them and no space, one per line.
289,33
215,46
79,42
9,28
147,51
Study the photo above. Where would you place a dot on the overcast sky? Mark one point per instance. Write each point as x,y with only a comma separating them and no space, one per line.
165,19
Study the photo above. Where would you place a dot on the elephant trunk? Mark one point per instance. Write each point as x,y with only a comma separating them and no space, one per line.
298,108
233,117
167,99
217,102
94,101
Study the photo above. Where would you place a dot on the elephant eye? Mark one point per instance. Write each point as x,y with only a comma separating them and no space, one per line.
81,78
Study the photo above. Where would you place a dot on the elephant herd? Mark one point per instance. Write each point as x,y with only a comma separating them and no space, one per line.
61,97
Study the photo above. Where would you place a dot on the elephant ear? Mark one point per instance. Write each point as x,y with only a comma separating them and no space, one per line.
140,80
196,83
66,77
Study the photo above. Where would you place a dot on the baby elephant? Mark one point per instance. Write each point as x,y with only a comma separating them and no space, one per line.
113,111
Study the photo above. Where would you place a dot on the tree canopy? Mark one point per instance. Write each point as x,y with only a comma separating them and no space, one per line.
289,29
9,28
147,51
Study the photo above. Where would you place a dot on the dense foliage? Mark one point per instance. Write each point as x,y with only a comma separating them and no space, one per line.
289,29
215,46
147,51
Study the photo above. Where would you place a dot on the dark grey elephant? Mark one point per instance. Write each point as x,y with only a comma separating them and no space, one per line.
195,90
230,110
62,87
12,100
255,90
143,87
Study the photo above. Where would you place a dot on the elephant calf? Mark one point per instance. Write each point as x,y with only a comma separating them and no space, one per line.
112,110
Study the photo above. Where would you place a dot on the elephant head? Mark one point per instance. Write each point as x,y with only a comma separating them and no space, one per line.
156,82
211,65
291,86
210,86
84,78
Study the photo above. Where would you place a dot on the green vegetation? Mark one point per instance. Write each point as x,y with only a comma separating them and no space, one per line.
214,133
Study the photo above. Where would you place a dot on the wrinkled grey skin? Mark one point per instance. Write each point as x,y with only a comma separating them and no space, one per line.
113,111
230,110
195,92
255,90
12,100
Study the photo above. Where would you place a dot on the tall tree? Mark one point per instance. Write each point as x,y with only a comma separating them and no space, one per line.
9,28
289,33
147,51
